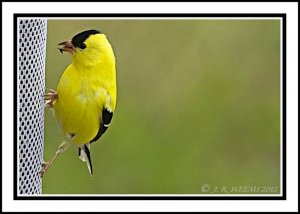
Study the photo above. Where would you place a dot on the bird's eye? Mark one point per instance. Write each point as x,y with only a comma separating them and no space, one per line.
82,46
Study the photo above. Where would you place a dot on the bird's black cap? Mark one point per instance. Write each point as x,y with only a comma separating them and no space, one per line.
78,39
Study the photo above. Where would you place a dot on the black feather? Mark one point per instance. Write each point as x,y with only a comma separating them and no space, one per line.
106,117
87,151
104,123
78,40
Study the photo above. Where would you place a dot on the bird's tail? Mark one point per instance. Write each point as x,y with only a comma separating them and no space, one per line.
84,155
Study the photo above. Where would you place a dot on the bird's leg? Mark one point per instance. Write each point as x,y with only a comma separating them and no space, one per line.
47,165
50,97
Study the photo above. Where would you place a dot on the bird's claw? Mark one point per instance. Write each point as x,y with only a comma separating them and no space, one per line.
44,164
45,167
50,97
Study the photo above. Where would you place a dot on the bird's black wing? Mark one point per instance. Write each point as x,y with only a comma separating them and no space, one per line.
104,123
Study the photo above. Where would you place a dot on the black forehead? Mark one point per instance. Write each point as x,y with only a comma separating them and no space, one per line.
81,37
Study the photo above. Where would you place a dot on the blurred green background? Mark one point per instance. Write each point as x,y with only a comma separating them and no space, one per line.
198,103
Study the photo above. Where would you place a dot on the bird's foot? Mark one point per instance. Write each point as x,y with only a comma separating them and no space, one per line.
50,97
45,167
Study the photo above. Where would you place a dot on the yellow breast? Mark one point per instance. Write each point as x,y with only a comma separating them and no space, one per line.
82,94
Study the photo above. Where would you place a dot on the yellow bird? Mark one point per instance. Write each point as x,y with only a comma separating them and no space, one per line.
86,94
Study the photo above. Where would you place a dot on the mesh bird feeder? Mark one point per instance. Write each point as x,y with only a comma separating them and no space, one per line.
31,34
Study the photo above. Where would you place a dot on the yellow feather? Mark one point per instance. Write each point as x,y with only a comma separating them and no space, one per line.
87,85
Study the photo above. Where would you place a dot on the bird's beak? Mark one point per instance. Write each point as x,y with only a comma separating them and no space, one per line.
66,46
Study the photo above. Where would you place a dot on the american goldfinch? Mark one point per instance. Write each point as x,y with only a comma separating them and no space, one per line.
86,94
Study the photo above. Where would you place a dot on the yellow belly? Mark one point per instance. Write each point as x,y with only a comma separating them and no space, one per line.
79,106
78,120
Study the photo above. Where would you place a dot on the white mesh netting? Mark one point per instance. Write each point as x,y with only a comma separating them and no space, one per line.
31,74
